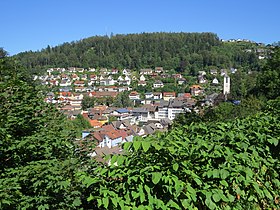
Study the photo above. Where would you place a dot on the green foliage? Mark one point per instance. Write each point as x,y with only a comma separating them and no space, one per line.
242,84
45,184
188,52
226,111
3,53
219,165
187,118
268,80
37,156
223,112
88,102
122,100
78,125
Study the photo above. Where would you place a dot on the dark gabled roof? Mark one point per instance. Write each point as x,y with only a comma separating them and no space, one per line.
165,122
149,129
139,110
126,123
176,103
158,82
157,93
122,110
212,96
163,103
149,107
117,124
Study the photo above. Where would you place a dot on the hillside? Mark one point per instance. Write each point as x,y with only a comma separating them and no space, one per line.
230,164
188,52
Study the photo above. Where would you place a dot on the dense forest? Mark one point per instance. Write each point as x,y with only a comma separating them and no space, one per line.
181,51
227,158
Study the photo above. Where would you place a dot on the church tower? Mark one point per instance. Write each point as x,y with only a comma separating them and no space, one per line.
226,89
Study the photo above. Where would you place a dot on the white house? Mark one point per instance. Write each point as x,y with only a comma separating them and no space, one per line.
90,83
92,70
146,71
223,72
201,79
170,109
213,71
149,95
158,84
181,81
142,83
141,114
157,95
215,81
134,95
65,83
142,78
50,71
106,82
114,71
126,72
120,78
196,90
93,77
127,78
202,73
111,140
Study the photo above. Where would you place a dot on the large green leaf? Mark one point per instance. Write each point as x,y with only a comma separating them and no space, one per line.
216,197
146,145
210,204
156,176
105,202
175,166
136,145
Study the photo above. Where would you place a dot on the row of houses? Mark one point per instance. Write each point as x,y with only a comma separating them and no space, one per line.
105,71
82,82
118,132
152,110
157,117
85,80
75,99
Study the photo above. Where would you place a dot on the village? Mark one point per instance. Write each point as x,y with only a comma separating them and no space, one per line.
151,112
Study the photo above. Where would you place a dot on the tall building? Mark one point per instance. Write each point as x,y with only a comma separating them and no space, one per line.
226,89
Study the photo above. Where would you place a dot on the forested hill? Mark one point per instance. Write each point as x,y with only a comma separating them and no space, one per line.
181,51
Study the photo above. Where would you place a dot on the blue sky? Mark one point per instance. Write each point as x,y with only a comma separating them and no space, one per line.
34,24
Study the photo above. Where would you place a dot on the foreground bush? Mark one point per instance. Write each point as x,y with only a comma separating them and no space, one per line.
232,165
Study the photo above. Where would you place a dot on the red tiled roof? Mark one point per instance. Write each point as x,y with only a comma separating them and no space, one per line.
113,135
65,94
123,133
95,123
195,86
106,94
98,136
108,128
168,94
134,93
79,82
187,95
